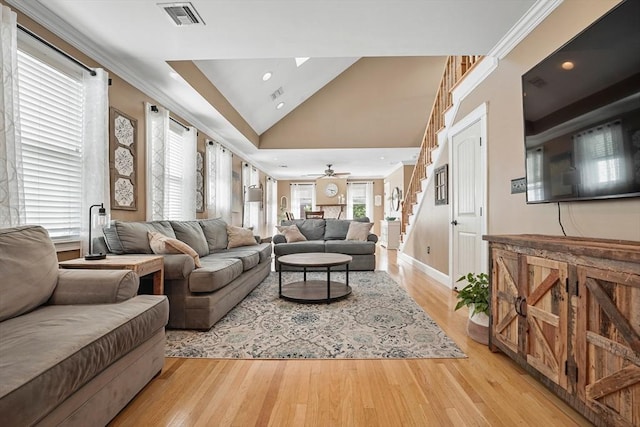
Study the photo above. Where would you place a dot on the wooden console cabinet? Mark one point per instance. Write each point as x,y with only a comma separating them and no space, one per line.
568,311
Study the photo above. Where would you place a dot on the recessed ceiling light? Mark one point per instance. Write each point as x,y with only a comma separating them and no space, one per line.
301,60
381,157
568,65
174,75
280,105
266,76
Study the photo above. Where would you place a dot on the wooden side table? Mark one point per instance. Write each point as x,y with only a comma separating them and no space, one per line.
140,264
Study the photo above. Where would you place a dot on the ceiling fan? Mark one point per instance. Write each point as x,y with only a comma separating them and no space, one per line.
330,173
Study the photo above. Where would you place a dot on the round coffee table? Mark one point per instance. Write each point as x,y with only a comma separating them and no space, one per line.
314,291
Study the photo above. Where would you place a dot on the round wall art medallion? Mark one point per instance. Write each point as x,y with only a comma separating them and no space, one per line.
123,130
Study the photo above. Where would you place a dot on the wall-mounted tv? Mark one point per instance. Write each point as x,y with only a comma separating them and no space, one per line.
582,114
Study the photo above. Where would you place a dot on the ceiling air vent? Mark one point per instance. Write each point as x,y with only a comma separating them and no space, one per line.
537,82
182,13
277,94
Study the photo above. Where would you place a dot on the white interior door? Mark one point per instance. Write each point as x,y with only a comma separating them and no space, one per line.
467,192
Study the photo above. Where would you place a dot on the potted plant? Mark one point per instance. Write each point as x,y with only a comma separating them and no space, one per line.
476,296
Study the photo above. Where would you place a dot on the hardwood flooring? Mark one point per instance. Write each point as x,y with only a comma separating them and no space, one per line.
486,389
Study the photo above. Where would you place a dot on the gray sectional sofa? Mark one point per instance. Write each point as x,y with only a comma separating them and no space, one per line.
198,297
327,235
75,345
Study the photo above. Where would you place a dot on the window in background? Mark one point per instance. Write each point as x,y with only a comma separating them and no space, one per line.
174,165
303,198
360,200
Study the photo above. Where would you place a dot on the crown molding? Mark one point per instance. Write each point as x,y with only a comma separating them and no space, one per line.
534,16
62,29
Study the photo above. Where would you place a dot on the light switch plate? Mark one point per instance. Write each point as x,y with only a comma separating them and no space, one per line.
518,185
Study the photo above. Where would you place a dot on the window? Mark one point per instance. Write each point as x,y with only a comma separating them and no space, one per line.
359,200
173,172
51,117
171,167
303,198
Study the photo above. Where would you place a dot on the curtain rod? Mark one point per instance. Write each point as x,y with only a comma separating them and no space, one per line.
57,49
187,128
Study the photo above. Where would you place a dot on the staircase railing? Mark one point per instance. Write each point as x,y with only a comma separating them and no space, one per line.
455,69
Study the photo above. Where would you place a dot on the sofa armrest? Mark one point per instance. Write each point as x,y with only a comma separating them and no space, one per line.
178,266
372,238
279,238
94,286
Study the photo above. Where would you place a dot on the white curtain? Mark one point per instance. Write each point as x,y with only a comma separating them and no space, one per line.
219,170
189,174
157,126
95,150
251,214
271,209
349,201
369,199
12,210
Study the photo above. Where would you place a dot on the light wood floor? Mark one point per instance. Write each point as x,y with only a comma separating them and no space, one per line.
486,389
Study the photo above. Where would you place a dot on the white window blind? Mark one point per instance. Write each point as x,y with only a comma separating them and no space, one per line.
173,173
51,117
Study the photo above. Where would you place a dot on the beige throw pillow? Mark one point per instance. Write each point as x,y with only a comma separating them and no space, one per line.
239,236
291,233
358,231
161,244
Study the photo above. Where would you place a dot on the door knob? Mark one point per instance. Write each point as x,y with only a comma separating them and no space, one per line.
454,222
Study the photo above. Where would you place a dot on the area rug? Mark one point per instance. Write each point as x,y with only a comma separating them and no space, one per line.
379,320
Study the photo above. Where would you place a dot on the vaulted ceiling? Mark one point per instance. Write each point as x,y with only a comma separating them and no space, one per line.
360,102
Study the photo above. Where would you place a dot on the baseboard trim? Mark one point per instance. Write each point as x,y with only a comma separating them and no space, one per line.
436,275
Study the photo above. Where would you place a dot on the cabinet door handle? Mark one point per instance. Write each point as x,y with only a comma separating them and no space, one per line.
517,305
454,222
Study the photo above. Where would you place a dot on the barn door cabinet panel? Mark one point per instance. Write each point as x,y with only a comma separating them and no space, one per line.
568,311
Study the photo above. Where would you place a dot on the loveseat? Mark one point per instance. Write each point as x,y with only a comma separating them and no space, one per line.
75,345
198,296
328,235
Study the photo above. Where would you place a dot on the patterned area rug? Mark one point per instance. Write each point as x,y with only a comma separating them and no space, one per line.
379,320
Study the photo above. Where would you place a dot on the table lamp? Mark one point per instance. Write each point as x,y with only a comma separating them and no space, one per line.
95,221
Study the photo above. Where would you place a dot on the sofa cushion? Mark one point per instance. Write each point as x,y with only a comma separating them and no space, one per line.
291,233
191,233
299,247
23,287
215,231
215,273
161,244
312,229
50,353
123,237
264,251
238,236
249,258
358,231
350,247
336,229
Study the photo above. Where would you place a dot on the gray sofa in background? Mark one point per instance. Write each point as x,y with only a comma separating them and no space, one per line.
327,235
75,345
198,297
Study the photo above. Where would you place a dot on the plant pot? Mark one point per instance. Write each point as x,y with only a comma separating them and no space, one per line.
478,327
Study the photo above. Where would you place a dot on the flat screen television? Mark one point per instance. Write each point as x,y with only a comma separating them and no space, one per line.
582,114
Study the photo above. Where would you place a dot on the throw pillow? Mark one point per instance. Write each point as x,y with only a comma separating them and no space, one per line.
239,236
291,233
359,231
161,244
